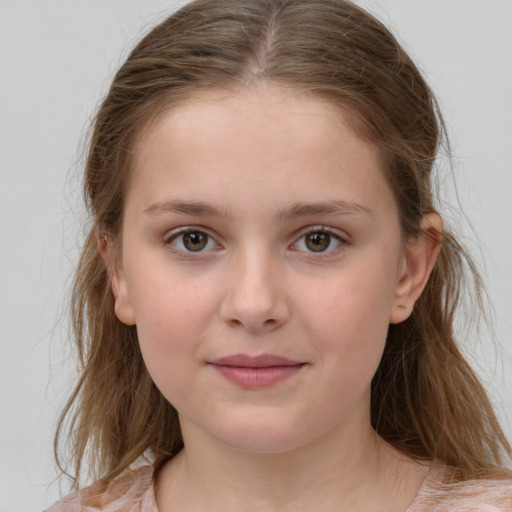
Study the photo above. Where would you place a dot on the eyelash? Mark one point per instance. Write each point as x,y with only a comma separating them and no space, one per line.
172,237
335,235
332,234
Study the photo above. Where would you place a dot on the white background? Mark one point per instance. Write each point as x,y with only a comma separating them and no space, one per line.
56,59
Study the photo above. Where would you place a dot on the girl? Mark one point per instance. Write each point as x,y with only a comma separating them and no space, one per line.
264,304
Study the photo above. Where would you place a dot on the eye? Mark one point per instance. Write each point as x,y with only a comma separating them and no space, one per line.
318,240
191,240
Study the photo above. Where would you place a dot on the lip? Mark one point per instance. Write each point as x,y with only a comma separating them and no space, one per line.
256,371
261,361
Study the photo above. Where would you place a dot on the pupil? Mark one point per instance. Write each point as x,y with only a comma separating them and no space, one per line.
194,241
318,242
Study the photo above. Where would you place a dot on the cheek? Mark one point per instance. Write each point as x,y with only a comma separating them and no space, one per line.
353,301
163,299
172,317
348,318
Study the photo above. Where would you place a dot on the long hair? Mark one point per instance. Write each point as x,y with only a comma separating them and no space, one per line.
426,400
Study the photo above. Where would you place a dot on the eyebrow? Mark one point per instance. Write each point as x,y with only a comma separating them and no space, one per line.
300,209
196,208
322,208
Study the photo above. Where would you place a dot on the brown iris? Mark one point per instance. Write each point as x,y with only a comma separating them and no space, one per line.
318,241
195,240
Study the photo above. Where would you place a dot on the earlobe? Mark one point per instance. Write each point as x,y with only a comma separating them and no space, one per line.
118,284
419,259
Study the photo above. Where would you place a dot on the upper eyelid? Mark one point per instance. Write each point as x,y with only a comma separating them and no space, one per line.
175,232
338,233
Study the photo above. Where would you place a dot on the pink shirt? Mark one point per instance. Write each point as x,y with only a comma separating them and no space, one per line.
133,492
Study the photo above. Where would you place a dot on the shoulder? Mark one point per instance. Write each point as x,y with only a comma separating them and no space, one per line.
131,492
440,493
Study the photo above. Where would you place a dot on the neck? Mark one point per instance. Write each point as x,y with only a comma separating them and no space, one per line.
353,470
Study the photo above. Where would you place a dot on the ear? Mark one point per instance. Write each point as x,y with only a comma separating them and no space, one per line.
418,260
122,303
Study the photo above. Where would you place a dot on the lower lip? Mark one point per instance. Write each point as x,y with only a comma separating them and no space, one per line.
257,377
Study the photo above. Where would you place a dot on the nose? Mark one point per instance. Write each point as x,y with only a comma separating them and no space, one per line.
255,297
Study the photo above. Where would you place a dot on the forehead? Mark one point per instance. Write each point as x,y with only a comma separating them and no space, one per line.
259,109
221,142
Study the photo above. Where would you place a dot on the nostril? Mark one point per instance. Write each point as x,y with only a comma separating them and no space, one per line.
270,323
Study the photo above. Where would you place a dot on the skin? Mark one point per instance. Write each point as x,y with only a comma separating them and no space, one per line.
254,172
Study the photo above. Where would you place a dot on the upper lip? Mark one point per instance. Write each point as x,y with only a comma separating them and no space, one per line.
261,361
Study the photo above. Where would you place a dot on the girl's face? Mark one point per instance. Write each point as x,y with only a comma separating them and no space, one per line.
261,262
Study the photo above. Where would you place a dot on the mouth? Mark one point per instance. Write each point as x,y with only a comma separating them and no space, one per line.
256,372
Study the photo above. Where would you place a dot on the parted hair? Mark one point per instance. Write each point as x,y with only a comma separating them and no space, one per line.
426,400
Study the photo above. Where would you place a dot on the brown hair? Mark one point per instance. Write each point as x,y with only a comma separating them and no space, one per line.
426,400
